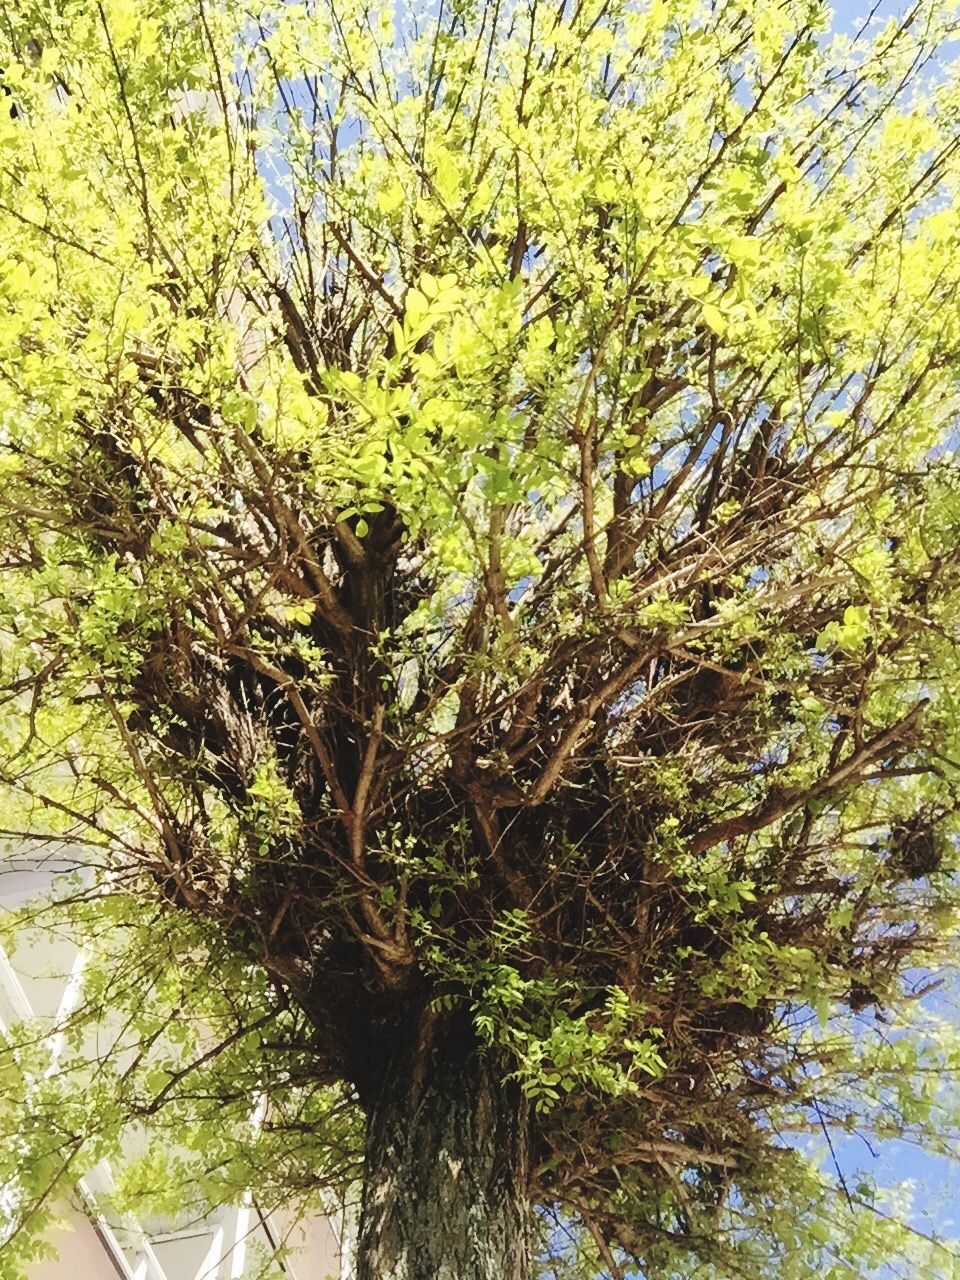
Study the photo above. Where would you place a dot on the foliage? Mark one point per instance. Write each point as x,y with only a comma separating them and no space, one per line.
481,528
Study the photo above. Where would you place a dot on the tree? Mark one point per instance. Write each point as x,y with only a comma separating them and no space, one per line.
481,531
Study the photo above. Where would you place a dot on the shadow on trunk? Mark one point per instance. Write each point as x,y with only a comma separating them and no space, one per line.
445,1196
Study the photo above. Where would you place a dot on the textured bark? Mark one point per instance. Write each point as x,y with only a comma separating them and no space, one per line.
445,1192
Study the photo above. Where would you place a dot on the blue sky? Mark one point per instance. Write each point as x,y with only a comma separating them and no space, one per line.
849,14
936,1180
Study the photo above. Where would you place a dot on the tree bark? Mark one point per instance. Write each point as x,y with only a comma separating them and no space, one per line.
446,1171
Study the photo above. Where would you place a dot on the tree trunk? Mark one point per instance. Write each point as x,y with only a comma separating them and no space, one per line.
445,1188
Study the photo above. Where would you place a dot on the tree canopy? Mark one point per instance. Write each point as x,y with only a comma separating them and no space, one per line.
480,530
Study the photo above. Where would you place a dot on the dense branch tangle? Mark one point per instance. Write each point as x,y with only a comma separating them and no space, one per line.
479,516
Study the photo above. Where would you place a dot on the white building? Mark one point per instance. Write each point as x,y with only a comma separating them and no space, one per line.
41,980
